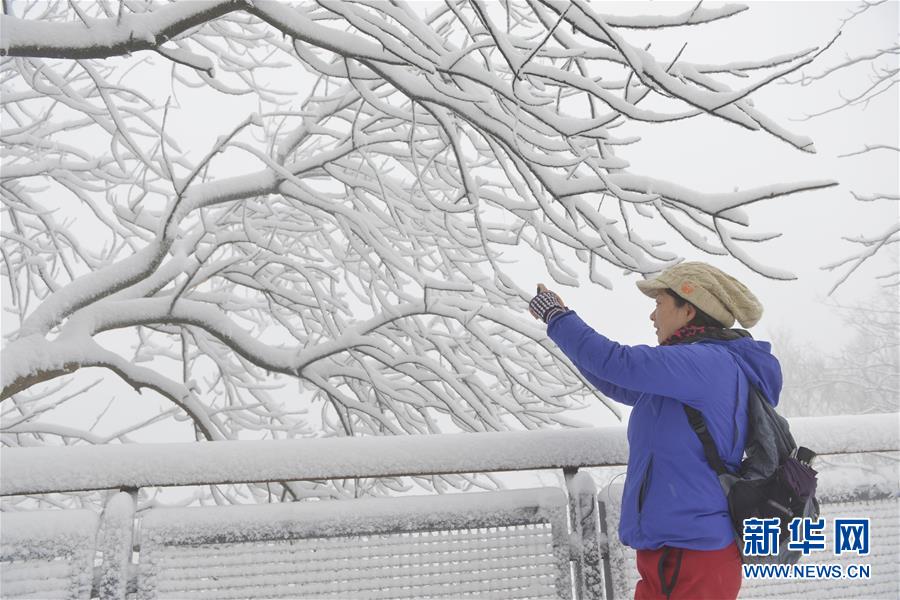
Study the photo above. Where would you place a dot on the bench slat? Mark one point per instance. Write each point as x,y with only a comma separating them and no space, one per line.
47,553
488,543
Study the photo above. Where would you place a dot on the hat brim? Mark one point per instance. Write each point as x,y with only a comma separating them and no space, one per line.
651,287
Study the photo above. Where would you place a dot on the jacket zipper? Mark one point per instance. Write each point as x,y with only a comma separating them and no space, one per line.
645,484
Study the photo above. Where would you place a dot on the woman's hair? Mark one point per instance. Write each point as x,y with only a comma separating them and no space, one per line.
701,319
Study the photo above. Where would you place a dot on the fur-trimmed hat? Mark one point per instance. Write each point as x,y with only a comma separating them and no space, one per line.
718,294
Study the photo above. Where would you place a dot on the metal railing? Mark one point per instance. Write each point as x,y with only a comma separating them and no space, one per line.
36,470
43,470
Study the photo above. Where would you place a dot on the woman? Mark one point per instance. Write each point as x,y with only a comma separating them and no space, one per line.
674,511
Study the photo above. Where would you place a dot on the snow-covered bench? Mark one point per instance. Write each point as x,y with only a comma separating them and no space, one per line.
499,544
48,554
507,544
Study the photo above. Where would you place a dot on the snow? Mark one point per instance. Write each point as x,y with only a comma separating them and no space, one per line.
696,14
847,434
582,484
495,543
115,542
585,536
420,63
47,554
45,469
844,482
26,534
377,58
329,518
32,470
100,37
469,543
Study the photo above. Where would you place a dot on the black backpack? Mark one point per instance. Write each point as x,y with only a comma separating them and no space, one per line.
775,478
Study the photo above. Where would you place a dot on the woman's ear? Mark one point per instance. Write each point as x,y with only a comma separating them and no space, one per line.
692,312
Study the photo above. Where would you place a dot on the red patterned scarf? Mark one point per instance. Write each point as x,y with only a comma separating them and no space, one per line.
692,333
685,333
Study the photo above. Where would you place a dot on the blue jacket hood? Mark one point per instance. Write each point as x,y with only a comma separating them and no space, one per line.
757,362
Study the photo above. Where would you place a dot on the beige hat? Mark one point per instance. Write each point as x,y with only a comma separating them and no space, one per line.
718,294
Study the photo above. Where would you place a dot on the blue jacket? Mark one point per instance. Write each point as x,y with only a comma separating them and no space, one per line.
672,496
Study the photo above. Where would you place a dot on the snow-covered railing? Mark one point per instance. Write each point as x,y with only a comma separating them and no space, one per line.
547,554
499,544
68,468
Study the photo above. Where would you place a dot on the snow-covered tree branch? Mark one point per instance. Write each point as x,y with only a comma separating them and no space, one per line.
871,74
347,229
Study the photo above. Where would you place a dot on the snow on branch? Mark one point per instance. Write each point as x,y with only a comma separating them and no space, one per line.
103,38
693,16
870,246
341,246
870,73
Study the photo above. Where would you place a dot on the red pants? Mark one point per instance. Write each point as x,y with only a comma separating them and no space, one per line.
688,574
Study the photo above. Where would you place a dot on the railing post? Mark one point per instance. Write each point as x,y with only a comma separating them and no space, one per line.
574,551
115,541
585,541
604,551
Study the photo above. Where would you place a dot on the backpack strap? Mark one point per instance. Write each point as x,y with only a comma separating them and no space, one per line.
695,418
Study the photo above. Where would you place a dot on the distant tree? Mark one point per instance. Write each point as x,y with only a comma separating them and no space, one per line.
870,363
394,151
876,73
862,376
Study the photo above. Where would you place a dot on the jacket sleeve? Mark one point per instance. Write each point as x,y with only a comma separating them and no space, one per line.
681,372
617,393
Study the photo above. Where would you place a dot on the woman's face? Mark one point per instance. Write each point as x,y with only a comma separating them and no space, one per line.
668,318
